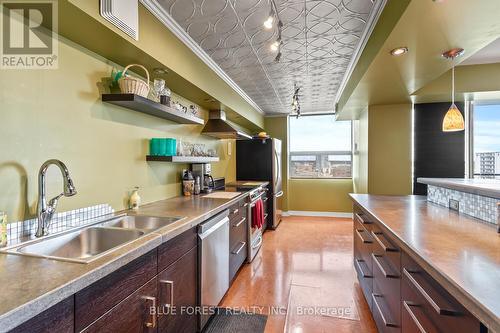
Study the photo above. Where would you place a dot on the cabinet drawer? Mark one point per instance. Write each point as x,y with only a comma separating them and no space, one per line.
363,219
384,246
238,231
98,298
362,243
175,248
177,293
415,320
134,314
59,318
237,257
387,285
435,305
365,278
382,315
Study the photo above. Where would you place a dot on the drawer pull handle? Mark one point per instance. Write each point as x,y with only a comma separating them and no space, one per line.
246,204
366,241
360,219
171,285
242,246
265,216
239,223
235,211
363,268
265,199
438,303
382,310
415,311
386,246
386,271
152,314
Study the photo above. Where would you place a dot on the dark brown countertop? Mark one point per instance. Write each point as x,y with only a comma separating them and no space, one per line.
461,253
31,285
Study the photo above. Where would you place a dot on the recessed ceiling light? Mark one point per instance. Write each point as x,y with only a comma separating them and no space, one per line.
399,51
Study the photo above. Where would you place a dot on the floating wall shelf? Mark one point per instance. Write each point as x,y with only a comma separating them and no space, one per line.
144,105
182,159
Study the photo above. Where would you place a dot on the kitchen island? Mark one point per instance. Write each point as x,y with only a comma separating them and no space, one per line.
420,264
32,286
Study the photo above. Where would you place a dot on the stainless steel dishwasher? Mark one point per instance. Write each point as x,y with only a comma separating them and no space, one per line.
213,256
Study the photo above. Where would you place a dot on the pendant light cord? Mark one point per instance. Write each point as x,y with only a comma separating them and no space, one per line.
453,84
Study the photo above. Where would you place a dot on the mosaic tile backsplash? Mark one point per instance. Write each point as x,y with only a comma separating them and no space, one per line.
483,208
25,230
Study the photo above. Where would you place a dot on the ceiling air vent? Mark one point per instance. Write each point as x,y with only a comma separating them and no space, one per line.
124,14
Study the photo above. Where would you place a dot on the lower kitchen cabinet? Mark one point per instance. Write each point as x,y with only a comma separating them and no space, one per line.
136,313
402,296
238,234
177,294
59,318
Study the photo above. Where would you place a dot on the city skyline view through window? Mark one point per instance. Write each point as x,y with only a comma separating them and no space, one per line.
320,147
486,141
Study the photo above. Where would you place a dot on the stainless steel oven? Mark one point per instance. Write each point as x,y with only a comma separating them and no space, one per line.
254,234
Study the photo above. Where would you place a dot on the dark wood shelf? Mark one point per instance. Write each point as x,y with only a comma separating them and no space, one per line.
144,105
182,159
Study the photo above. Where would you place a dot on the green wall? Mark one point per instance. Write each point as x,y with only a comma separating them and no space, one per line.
382,164
316,195
58,114
360,155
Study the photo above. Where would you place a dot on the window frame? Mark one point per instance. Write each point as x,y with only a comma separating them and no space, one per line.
290,153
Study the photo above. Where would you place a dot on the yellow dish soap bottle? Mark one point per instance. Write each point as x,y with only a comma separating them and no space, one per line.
135,199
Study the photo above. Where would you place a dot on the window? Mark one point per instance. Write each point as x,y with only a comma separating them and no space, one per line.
320,147
486,140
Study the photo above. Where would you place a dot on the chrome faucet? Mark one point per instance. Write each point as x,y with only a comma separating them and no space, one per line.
46,210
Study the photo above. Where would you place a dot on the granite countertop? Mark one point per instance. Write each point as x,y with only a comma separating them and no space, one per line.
485,187
461,253
31,285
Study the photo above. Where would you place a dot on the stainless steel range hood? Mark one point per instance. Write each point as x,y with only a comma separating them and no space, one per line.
218,127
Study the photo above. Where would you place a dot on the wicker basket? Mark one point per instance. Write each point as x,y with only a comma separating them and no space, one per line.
133,85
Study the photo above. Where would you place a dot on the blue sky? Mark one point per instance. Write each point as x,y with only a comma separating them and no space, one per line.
319,133
486,128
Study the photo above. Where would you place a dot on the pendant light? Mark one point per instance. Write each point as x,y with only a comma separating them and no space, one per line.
453,120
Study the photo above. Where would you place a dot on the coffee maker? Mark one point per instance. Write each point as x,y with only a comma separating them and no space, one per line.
204,171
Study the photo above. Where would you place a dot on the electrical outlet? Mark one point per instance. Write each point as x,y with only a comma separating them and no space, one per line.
454,205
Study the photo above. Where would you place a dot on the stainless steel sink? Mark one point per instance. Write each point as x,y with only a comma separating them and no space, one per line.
91,242
144,223
82,245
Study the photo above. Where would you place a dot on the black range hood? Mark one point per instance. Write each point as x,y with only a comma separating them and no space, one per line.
218,127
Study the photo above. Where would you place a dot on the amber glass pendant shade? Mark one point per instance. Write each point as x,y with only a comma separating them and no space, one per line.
453,120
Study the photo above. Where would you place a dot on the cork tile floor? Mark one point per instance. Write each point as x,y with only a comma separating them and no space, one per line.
304,280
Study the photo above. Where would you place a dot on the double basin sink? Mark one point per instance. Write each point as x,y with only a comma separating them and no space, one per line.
91,242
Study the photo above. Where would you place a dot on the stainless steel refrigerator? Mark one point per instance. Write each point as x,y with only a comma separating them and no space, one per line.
259,159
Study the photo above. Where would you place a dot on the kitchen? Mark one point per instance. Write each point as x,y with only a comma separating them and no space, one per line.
250,166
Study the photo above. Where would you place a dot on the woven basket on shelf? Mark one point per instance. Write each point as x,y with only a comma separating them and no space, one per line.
133,85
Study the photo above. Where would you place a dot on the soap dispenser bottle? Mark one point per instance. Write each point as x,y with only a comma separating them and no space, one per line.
135,199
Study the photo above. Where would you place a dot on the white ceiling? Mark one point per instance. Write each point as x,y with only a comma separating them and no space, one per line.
319,39
487,55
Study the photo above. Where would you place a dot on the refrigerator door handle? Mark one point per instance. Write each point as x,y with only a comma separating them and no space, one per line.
277,169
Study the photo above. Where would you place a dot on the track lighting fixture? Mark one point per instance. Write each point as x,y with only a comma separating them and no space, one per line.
295,101
268,24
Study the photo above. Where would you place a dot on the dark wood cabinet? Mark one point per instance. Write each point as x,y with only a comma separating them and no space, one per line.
402,296
175,248
177,289
238,237
98,298
135,314
59,318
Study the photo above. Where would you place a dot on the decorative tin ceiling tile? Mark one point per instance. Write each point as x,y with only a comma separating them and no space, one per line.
319,38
